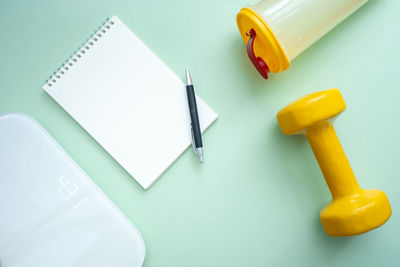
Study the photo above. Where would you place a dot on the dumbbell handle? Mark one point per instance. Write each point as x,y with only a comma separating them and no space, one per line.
332,160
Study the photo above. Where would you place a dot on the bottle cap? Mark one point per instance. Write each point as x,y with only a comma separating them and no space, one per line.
266,46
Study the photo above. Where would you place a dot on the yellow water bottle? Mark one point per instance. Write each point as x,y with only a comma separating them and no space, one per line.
277,31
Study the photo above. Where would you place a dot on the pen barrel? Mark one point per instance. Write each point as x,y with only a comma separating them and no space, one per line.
194,117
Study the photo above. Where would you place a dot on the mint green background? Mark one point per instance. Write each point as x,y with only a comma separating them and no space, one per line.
255,202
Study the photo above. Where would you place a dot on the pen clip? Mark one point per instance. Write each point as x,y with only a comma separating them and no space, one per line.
193,144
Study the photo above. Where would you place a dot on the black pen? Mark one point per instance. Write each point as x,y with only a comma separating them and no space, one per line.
194,117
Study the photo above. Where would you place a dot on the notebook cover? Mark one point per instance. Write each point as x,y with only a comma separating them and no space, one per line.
128,100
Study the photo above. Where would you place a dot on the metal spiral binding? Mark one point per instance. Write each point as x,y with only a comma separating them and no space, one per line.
74,58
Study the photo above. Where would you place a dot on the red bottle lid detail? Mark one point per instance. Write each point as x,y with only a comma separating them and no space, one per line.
258,62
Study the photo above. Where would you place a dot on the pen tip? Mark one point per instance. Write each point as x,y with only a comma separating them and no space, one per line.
199,152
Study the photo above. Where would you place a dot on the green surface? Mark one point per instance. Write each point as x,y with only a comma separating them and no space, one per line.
256,200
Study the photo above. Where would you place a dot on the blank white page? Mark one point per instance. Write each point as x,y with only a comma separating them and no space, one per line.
128,100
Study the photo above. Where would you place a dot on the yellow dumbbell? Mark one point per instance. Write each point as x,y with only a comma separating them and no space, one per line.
353,210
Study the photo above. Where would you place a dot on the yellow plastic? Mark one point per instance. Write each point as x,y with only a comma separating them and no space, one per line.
353,210
266,45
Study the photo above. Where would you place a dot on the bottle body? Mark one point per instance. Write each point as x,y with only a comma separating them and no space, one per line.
297,24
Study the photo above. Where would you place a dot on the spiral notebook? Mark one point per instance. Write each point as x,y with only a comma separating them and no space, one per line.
127,99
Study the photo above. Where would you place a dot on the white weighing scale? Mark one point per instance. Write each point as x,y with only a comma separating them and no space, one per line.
51,213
